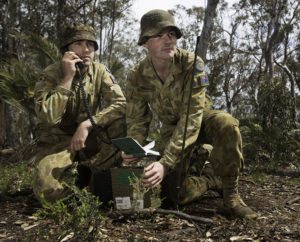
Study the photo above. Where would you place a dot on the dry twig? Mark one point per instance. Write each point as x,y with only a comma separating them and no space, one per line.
293,200
161,211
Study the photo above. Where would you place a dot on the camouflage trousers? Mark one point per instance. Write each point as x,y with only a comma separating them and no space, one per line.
57,165
220,130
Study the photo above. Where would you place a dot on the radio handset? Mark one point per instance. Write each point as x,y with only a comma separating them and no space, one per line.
79,65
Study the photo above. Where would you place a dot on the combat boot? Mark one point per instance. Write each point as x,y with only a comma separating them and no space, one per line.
233,203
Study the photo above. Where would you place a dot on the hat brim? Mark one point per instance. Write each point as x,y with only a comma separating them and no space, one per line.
77,36
155,31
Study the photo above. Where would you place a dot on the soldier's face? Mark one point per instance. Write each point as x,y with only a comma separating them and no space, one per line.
85,50
163,45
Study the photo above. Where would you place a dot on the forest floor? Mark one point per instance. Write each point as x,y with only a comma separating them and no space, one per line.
276,199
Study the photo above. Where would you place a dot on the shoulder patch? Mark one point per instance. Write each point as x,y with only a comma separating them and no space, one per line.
204,79
201,80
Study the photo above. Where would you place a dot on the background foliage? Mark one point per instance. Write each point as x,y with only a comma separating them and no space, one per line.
252,58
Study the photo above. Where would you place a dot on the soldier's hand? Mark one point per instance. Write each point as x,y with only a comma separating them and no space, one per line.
130,159
68,66
80,136
154,174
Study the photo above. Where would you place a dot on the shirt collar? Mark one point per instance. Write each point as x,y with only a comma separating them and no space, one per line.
176,68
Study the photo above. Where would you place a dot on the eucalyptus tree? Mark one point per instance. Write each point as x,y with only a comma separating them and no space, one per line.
269,28
110,15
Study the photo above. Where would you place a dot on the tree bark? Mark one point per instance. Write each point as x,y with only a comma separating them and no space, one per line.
9,133
273,30
292,81
3,136
210,13
113,20
59,18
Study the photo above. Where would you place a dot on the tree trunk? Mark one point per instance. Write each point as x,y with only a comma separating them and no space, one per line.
59,18
273,30
113,19
9,133
210,13
292,81
5,31
101,38
3,136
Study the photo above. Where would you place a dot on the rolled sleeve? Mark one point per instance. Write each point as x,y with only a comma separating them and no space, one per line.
113,99
51,101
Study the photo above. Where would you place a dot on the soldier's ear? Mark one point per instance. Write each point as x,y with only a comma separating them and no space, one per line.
64,50
146,44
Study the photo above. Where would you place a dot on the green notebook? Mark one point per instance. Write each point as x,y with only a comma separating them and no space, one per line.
131,147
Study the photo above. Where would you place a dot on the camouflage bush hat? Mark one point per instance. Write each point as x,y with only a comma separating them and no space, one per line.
77,32
155,21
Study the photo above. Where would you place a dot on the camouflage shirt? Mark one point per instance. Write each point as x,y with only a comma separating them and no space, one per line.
61,110
146,93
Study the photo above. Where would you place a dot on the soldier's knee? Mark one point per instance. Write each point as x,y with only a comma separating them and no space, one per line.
232,132
47,187
229,126
229,120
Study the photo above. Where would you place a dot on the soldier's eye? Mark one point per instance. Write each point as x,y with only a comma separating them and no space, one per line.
91,44
172,34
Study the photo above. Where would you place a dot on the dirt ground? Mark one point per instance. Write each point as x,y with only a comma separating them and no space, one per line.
277,202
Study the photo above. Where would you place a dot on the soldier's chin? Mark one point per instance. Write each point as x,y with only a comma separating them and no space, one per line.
86,63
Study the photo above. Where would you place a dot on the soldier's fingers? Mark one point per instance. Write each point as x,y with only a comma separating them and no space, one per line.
72,148
149,174
152,183
128,161
152,178
79,145
71,53
133,159
126,156
148,168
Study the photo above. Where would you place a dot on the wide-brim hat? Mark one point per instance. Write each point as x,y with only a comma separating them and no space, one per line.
155,21
78,32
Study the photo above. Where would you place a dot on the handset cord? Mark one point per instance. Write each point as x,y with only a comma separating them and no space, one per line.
88,111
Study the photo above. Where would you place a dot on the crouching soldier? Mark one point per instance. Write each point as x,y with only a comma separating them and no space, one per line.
65,134
160,83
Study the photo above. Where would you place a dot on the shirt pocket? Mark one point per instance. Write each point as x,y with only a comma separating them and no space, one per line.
164,108
146,92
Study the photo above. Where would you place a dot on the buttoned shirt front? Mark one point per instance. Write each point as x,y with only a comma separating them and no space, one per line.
146,93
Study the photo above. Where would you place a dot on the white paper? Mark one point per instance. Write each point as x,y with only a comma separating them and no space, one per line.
148,148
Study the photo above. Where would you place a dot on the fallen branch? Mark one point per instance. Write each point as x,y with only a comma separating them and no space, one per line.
247,180
6,152
293,200
161,211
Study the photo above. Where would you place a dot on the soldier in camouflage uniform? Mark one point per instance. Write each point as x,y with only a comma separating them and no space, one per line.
65,134
160,83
